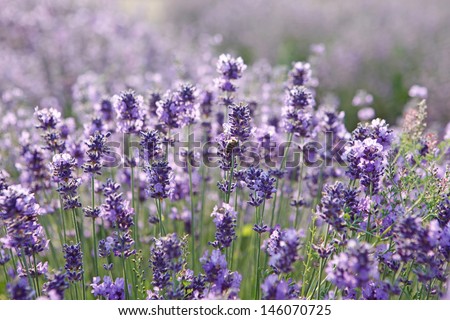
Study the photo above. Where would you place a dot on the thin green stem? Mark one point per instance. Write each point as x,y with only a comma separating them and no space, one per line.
94,233
191,196
36,275
282,165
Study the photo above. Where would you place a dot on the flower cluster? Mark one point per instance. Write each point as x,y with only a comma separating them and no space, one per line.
159,175
230,69
108,289
49,122
354,267
97,149
166,261
62,168
19,213
222,282
150,146
225,220
283,247
261,184
274,288
130,112
74,262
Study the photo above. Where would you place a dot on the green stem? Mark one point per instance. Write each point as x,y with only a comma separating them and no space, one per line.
94,233
124,272
36,275
322,263
191,195
283,163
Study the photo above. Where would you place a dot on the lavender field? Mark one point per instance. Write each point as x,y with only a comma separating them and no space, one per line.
162,152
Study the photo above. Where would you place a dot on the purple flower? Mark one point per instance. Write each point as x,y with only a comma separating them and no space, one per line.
48,118
299,97
225,221
123,244
169,111
186,96
129,110
19,212
407,237
34,172
62,167
74,262
282,247
262,185
230,68
41,269
300,74
4,257
166,259
222,281
366,161
159,176
19,289
55,286
377,290
108,289
97,149
106,109
116,210
444,211
90,212
239,122
150,146
331,208
354,267
297,112
274,288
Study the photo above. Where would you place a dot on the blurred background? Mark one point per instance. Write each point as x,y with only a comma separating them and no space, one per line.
383,47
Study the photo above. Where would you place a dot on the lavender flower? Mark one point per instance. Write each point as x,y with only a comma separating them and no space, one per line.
49,119
169,112
300,74
74,262
354,267
55,286
262,185
225,221
367,162
282,247
239,122
19,289
129,109
19,212
62,167
116,210
222,281
150,146
159,175
274,288
297,112
230,68
108,289
166,258
331,208
186,96
97,149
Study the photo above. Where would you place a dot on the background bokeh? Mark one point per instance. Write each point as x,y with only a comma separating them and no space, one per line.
384,47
